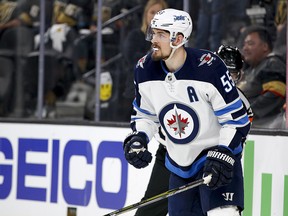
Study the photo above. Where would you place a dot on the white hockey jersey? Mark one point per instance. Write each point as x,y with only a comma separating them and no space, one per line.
197,106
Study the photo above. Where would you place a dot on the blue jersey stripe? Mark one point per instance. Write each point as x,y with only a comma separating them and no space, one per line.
142,110
195,167
137,118
238,150
243,121
233,107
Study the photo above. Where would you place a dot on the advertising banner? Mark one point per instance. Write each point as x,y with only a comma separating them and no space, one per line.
81,170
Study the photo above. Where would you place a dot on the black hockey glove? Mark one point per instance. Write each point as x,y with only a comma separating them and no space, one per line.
135,149
219,163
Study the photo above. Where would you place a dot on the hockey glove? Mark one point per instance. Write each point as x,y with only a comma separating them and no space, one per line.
135,150
219,163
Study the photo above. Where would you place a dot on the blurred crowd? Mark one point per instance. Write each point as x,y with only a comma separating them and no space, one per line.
256,27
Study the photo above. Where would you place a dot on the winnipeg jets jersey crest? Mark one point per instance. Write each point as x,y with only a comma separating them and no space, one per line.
180,122
197,107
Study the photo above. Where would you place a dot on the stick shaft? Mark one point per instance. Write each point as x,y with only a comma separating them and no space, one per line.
161,196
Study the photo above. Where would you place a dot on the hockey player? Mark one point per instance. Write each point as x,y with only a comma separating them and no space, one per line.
159,178
190,94
234,62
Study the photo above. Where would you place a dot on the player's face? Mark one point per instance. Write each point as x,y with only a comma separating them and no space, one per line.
160,44
254,49
235,74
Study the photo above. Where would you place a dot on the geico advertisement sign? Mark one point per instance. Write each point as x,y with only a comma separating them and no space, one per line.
46,168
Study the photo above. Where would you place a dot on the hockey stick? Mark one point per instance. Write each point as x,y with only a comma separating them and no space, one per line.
161,196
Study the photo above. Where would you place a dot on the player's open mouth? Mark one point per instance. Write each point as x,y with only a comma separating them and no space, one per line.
155,49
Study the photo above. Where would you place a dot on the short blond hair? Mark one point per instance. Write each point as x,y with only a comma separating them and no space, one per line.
148,5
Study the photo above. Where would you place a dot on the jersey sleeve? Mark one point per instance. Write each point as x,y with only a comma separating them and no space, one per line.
229,109
143,117
246,104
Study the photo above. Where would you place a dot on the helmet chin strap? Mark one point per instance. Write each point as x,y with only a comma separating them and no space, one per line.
173,50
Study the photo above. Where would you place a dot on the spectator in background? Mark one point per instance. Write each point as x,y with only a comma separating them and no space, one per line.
75,13
281,14
262,12
235,20
20,13
9,15
210,21
21,18
264,77
19,22
67,18
280,20
84,49
280,49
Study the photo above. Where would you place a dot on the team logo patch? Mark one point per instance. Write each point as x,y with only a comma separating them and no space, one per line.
141,62
228,196
206,59
179,18
180,122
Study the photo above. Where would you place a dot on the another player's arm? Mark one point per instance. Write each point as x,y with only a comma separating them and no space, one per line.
232,116
246,104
